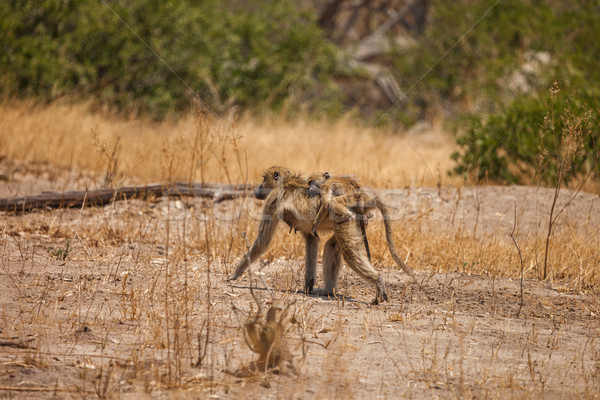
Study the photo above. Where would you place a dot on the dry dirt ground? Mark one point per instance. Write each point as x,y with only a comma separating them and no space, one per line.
139,294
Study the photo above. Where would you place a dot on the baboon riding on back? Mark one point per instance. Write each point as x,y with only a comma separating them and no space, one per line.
287,199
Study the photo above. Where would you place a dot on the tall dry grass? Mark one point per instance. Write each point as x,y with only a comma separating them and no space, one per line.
73,137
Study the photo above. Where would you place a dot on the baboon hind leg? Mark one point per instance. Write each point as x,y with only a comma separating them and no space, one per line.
354,253
340,212
363,231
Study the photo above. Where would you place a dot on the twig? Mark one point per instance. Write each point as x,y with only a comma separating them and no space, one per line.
254,296
512,236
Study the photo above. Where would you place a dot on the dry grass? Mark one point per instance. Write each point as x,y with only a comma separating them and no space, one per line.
62,135
139,304
199,148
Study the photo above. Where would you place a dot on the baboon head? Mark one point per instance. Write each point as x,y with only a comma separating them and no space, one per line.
315,181
271,178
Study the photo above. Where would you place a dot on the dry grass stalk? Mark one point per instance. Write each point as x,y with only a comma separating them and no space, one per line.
266,337
131,151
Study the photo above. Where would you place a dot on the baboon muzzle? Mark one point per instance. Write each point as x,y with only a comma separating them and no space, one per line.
261,193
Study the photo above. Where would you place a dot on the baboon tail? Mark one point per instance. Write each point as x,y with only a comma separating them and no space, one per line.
363,230
390,241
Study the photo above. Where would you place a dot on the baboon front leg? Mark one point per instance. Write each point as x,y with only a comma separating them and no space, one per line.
266,230
310,264
332,266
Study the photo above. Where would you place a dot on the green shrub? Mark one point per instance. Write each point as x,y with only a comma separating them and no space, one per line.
532,137
261,54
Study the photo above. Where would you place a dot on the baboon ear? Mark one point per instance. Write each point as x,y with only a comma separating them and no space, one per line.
326,175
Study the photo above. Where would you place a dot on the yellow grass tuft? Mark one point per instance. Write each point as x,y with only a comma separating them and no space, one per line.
73,137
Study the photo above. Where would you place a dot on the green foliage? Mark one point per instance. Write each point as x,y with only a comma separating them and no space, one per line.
547,137
486,66
150,55
61,254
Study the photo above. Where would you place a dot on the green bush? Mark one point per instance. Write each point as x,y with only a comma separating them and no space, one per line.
260,55
532,138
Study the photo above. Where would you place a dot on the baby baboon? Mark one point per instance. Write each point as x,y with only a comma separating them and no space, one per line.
345,200
341,196
287,199
315,181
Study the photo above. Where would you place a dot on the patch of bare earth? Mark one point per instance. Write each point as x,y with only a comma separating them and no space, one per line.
139,307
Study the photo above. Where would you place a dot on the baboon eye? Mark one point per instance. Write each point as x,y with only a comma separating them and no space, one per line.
326,175
276,175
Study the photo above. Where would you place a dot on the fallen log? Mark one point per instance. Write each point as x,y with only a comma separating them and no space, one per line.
71,199
17,344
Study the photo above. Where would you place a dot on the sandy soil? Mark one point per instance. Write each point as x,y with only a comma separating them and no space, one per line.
125,316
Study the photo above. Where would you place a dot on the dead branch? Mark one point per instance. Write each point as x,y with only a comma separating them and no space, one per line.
18,344
376,43
71,199
42,389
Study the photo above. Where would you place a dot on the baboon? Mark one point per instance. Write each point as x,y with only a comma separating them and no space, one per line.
346,200
287,199
341,196
336,198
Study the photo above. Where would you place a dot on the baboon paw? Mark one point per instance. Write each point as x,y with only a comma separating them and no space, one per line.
381,292
379,299
232,278
308,286
344,218
323,292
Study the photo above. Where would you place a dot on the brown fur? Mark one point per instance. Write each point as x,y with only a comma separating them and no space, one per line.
345,200
287,199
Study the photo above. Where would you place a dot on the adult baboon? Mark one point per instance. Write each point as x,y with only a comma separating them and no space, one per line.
287,199
345,200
